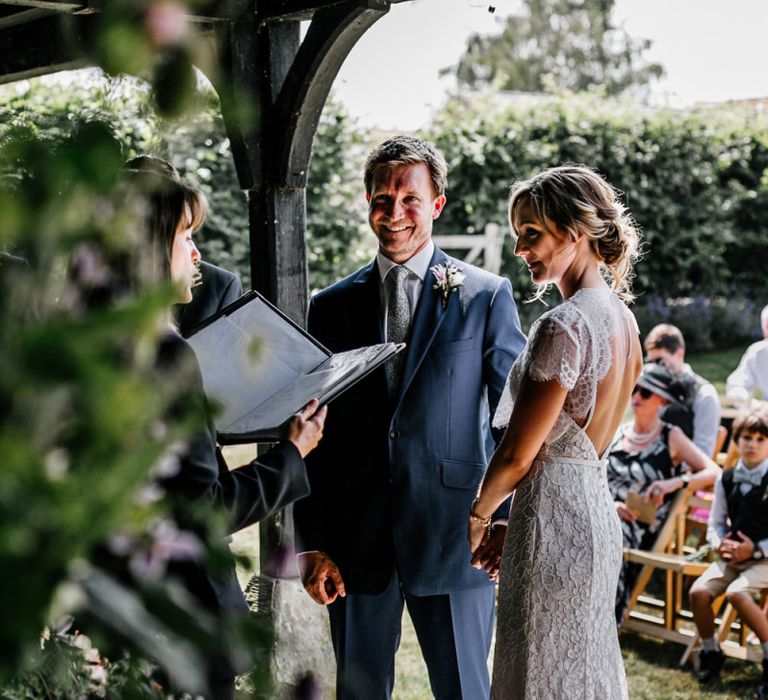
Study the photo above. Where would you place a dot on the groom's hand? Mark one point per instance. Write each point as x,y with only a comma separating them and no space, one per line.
321,577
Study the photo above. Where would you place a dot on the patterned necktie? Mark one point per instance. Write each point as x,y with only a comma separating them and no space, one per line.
398,323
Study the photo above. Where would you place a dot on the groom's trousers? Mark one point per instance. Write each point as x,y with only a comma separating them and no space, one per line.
454,632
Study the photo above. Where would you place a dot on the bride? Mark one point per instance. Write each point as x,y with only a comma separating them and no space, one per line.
556,635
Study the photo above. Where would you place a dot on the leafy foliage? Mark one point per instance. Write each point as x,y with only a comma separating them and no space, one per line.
87,420
565,44
336,211
52,109
695,182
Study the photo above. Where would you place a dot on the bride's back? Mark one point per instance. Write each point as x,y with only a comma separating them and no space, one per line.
615,389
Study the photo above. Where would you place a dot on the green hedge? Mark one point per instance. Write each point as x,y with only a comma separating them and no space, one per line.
696,182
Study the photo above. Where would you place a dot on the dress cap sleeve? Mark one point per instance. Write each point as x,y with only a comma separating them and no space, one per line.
556,352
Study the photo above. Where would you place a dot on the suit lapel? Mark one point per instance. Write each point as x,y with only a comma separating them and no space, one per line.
365,308
429,315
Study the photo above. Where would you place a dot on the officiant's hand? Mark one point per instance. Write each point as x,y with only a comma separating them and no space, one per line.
306,427
487,555
321,577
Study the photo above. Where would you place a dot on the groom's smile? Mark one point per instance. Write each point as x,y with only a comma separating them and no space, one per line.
401,208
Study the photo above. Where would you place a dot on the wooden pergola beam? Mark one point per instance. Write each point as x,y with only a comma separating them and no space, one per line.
55,5
329,39
62,49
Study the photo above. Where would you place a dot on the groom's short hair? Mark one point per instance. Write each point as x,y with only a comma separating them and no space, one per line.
407,150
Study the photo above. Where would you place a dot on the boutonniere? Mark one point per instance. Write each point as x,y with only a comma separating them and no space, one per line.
448,279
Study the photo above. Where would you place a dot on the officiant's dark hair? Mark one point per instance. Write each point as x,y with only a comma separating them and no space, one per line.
751,420
407,150
153,164
169,204
148,208
576,199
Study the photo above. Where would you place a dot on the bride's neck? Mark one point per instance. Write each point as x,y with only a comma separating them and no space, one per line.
581,276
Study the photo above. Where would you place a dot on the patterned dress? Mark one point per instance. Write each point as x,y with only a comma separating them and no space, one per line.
556,634
636,471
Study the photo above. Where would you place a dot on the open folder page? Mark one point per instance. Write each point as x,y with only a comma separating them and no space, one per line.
259,368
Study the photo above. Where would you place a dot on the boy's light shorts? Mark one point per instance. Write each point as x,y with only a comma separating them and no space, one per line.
720,577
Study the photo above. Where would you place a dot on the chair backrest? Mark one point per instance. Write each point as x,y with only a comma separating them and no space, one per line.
722,433
727,460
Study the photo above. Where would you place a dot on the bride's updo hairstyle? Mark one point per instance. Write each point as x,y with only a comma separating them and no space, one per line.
573,199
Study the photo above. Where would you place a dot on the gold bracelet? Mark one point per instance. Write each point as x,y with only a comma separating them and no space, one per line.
479,519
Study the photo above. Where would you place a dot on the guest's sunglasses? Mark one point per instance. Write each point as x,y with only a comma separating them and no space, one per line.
644,393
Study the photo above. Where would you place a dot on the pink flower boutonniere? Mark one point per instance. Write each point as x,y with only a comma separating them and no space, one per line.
448,279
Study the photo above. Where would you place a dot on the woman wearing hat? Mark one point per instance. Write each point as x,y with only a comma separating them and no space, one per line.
647,458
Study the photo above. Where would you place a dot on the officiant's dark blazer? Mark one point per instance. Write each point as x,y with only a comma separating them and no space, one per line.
218,288
394,476
243,495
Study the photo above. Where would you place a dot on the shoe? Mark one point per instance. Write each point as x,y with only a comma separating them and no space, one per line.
762,690
710,663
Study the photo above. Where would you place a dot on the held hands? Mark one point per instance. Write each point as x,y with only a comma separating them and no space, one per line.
735,551
487,555
306,427
321,577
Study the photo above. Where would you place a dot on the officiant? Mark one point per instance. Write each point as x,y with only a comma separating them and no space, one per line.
198,484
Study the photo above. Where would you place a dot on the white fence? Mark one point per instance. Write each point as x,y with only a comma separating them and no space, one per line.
489,244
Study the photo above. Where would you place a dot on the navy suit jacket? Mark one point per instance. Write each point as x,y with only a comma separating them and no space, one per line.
393,478
219,287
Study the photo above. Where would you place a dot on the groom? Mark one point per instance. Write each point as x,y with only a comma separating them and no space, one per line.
405,449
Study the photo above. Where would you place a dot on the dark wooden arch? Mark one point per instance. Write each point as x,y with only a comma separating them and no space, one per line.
261,67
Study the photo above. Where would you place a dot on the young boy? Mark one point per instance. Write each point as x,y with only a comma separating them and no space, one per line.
738,530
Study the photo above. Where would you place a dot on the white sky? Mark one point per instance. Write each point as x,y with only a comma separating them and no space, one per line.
712,50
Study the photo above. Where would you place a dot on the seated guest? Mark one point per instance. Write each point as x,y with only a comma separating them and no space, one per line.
752,372
214,287
646,458
738,530
698,411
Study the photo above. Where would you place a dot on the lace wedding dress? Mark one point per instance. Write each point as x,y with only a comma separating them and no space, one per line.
556,634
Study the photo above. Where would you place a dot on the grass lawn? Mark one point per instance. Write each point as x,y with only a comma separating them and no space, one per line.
716,365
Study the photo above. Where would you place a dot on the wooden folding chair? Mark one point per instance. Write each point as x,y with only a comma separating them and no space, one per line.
671,554
667,554
722,434
728,623
728,459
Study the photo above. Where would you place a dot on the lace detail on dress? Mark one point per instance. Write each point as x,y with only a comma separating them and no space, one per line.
571,343
556,635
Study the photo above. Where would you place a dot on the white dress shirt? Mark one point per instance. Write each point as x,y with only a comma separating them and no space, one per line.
718,526
706,415
751,373
417,267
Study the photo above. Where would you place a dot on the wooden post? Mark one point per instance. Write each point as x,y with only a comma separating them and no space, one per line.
271,104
